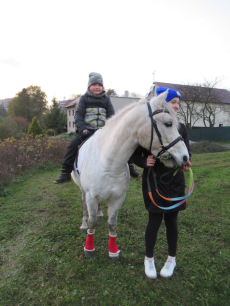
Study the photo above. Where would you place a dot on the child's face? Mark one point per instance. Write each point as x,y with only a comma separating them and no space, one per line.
96,89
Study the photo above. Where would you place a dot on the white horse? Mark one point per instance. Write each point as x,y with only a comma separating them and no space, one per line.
105,173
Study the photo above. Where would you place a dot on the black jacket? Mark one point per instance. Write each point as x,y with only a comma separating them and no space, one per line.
175,189
92,112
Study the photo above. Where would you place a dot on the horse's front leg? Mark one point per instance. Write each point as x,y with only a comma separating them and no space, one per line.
84,219
92,206
113,208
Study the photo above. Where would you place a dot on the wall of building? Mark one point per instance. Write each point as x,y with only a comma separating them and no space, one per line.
5,102
120,102
70,120
222,115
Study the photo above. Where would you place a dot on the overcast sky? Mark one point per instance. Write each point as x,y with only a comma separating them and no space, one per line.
56,44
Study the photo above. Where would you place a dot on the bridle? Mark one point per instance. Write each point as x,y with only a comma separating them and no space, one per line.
154,125
164,149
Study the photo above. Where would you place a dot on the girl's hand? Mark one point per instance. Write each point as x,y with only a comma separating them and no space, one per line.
185,167
150,161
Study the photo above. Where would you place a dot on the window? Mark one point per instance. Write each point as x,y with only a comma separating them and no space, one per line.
73,112
73,124
69,113
69,124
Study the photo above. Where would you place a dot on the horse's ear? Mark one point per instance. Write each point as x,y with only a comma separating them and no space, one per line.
160,100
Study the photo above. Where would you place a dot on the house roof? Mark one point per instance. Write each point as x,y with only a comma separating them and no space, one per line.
73,103
64,101
224,94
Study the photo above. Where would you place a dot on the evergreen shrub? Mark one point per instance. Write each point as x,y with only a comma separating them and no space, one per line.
35,128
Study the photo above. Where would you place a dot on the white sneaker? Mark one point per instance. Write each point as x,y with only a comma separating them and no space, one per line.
168,268
150,269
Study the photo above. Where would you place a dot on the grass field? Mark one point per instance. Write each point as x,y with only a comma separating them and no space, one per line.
42,259
224,142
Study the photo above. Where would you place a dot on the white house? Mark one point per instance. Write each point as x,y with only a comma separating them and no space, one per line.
64,103
70,110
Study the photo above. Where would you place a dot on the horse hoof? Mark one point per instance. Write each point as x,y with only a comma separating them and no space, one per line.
115,259
84,230
89,254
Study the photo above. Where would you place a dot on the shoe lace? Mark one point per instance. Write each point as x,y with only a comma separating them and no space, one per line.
150,263
168,264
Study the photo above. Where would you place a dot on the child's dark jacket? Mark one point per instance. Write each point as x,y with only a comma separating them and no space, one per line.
92,112
175,189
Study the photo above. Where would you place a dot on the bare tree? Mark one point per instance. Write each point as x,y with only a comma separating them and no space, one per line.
74,96
189,109
135,95
212,99
110,92
201,101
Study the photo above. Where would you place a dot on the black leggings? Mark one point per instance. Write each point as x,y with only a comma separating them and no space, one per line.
153,227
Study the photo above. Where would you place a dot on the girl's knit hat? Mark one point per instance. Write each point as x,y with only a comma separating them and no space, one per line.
171,93
95,78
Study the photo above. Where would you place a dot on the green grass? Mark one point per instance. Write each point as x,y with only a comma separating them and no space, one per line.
224,142
42,259
66,135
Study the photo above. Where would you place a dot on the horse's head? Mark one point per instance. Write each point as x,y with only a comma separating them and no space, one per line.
167,125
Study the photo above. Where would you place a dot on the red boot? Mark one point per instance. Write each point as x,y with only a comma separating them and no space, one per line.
113,249
89,246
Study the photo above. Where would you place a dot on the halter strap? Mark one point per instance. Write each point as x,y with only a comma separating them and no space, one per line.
154,125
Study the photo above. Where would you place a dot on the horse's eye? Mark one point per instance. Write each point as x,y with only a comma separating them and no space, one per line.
168,124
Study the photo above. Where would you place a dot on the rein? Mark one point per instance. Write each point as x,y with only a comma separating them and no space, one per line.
181,199
164,149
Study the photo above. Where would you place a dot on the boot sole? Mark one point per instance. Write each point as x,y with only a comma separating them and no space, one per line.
62,182
151,277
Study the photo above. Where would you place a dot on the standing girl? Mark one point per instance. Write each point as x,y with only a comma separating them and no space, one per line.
175,188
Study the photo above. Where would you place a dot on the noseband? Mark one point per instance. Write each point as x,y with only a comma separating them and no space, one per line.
154,125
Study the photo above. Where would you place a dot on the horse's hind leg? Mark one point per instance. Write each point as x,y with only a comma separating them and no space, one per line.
92,206
84,219
113,208
100,213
